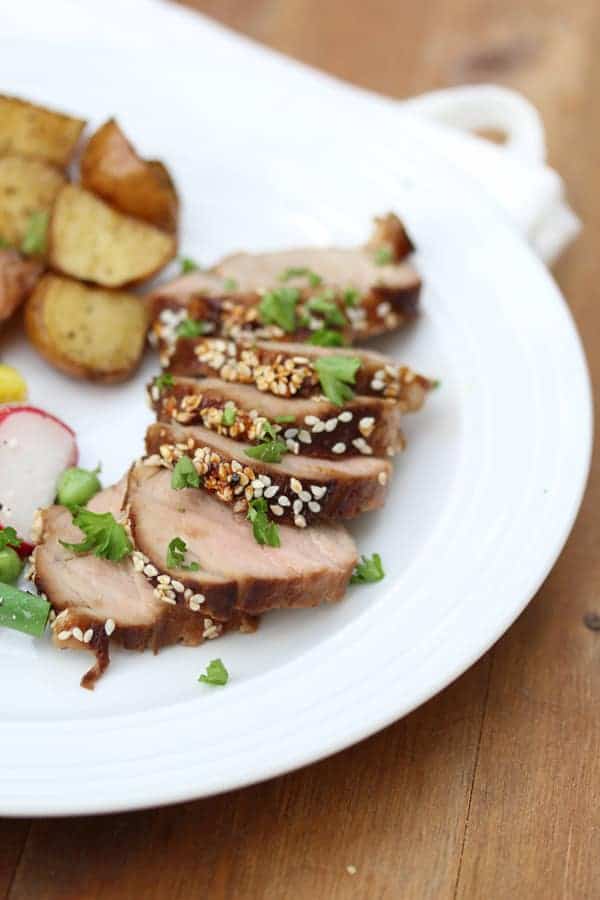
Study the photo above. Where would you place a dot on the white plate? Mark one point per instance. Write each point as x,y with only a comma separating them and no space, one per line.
482,500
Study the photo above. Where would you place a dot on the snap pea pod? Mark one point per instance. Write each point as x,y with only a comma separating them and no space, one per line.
23,611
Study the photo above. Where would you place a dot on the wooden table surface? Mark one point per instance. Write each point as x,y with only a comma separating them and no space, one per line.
491,790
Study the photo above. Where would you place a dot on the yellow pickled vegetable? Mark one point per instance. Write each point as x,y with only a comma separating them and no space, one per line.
12,384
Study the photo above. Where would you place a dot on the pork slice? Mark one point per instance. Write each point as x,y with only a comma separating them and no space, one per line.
368,426
96,599
288,369
299,490
310,567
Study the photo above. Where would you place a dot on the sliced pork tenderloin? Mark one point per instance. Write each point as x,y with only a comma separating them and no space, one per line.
288,370
367,426
299,490
96,600
235,575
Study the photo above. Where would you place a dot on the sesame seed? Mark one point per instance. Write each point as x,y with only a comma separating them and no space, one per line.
382,478
284,501
295,485
390,451
314,506
318,427
383,309
87,637
271,491
305,496
310,420
345,416
292,445
265,480
297,507
340,447
351,870
257,484
78,634
362,446
304,436
197,598
164,579
366,425
317,491
276,510
151,571
300,521
331,424
290,433
109,626
64,635
177,586
377,385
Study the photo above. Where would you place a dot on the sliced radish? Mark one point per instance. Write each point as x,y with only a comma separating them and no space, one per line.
35,447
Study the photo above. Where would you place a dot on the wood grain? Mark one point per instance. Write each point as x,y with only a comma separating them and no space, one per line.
491,789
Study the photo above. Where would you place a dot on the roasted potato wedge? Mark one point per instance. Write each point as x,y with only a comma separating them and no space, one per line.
18,277
34,131
86,331
111,168
90,240
26,186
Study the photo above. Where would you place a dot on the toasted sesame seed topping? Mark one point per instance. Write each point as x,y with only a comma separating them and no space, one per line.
64,635
366,425
109,626
150,570
345,416
390,451
293,445
377,385
295,485
177,586
304,496
89,634
284,501
382,478
265,480
331,424
318,427
310,420
164,579
304,436
271,491
383,309
314,506
276,510
78,633
362,446
318,491
297,506
300,521
340,447
290,433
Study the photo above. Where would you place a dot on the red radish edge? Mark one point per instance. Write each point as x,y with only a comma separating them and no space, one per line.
25,549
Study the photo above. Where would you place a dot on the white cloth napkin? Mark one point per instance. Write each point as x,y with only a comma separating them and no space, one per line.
527,191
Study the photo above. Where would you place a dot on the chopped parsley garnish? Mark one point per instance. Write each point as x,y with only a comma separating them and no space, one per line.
327,308
184,475
165,379
8,538
351,296
216,673
278,307
284,420
188,265
368,570
192,328
301,272
435,384
268,431
229,415
35,236
269,451
325,337
264,530
230,284
104,536
336,373
384,255
176,554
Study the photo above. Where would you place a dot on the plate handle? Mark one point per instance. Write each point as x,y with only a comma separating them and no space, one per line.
488,106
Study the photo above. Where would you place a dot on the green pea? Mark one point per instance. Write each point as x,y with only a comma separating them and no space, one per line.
11,565
76,486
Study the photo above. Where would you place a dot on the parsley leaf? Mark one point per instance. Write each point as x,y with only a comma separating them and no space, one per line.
279,308
325,337
230,284
269,431
184,474
330,311
8,538
176,554
35,236
336,373
285,420
165,379
216,673
270,451
188,265
229,415
301,272
192,328
264,531
104,536
384,255
351,296
368,570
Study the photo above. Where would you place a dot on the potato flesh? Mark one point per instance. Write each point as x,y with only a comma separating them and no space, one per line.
26,186
34,131
91,241
97,331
